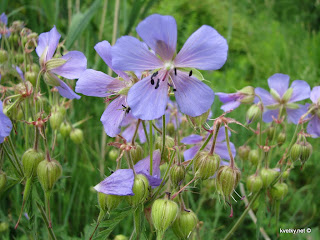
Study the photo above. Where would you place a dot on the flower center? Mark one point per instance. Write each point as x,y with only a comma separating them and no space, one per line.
168,65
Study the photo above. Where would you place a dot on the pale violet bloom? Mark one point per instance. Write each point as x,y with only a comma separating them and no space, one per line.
5,124
4,31
313,127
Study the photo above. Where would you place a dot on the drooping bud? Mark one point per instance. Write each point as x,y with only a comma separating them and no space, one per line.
197,122
184,224
48,173
30,161
140,189
243,152
136,153
3,180
168,144
65,129
268,176
227,180
3,56
205,164
108,202
254,157
279,191
295,152
253,113
281,138
248,95
254,183
306,151
177,174
76,135
163,214
270,132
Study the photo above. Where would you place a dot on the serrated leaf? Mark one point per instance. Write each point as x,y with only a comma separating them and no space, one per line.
79,22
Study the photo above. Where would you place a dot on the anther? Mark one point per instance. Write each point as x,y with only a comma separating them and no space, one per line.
190,73
175,71
157,86
174,89
154,74
152,81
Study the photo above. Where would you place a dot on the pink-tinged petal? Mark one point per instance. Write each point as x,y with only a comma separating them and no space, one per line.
193,96
301,91
295,114
74,67
118,183
192,139
104,50
190,153
50,40
315,94
97,84
113,116
205,49
5,124
269,115
230,106
265,96
160,34
147,102
279,82
313,127
221,149
66,91
129,54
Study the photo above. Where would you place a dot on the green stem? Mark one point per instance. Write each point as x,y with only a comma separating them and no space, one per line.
137,221
135,132
130,162
215,138
151,146
145,130
160,235
163,134
46,221
16,168
229,149
15,155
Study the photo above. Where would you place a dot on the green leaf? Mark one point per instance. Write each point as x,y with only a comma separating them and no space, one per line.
196,73
79,22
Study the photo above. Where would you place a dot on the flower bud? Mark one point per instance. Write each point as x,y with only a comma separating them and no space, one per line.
108,202
281,138
3,180
268,176
279,191
65,129
113,154
306,151
163,214
55,120
31,77
140,189
248,94
19,58
205,164
48,173
295,152
33,68
3,56
243,152
168,144
76,135
254,157
270,132
254,183
30,161
227,180
177,174
253,113
184,224
197,122
136,153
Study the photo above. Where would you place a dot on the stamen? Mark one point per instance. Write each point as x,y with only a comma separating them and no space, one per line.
175,71
190,73
152,81
128,110
154,74
174,90
157,86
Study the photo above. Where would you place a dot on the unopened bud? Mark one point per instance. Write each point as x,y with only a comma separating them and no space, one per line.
3,56
31,77
253,113
163,213
205,164
48,173
184,224
295,152
140,189
248,94
19,58
108,202
305,152
3,180
227,180
254,183
56,119
30,161
65,129
177,174
76,135
113,154
279,191
168,144
268,176
243,152
281,138
136,153
270,132
254,157
197,122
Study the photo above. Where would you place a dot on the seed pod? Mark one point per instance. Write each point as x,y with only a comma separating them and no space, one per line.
254,157
108,202
254,183
19,58
163,214
48,173
268,176
140,189
205,164
170,129
253,113
65,129
31,77
3,56
306,151
285,174
136,153
279,191
168,144
184,224
295,152
56,119
30,161
243,152
3,180
227,180
281,138
270,132
76,135
177,174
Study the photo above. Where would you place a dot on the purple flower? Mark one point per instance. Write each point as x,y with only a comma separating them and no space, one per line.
98,84
220,148
3,23
143,167
5,124
205,49
118,183
313,127
70,65
131,122
19,71
281,96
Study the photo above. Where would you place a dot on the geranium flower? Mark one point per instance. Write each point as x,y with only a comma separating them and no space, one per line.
205,49
281,96
70,65
98,84
5,124
3,26
313,127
